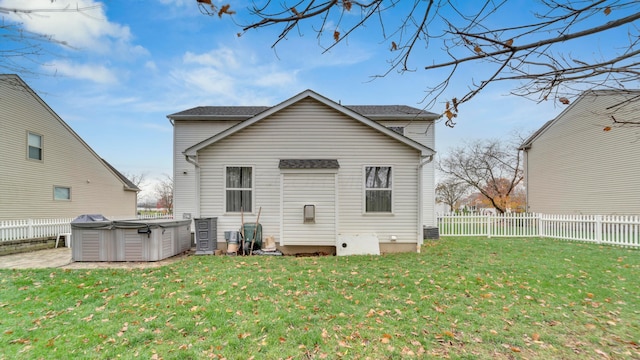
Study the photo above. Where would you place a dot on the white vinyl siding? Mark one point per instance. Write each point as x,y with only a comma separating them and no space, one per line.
309,188
423,132
574,167
311,130
27,185
185,134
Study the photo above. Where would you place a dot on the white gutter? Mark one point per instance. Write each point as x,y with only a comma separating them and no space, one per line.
194,160
424,160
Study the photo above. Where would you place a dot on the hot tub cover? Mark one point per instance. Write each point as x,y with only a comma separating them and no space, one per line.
100,222
89,218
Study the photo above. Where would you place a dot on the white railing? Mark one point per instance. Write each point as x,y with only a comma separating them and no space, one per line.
40,228
602,229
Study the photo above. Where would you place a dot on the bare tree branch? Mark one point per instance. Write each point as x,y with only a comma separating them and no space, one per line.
534,53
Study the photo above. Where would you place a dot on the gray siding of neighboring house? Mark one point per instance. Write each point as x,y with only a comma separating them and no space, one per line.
574,167
311,130
185,134
27,185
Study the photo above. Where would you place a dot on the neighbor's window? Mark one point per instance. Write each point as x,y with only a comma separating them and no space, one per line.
378,189
34,146
61,193
239,188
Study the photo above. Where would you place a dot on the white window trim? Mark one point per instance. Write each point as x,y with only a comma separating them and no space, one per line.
41,146
253,189
62,187
364,191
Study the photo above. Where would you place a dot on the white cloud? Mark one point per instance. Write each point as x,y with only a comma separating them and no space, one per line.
96,73
232,76
86,29
150,65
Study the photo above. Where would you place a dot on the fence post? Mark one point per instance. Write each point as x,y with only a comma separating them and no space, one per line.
599,229
540,229
30,228
488,226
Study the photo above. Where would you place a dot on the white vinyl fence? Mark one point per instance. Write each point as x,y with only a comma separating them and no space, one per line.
602,229
39,228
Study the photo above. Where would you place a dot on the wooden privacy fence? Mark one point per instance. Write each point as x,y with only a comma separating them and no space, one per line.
623,230
40,228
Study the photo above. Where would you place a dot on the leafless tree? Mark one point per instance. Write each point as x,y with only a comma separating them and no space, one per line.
450,191
532,50
164,192
489,166
22,48
138,179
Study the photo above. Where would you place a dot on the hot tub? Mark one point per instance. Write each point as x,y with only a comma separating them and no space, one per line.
128,240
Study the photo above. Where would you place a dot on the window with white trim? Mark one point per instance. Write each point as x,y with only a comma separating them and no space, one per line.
34,146
61,193
378,189
239,188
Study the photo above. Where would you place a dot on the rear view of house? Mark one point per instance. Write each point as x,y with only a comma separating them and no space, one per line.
319,173
582,162
46,169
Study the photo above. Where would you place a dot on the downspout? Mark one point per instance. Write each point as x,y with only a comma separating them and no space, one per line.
193,159
423,161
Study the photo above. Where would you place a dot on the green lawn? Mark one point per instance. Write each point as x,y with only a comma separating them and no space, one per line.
459,298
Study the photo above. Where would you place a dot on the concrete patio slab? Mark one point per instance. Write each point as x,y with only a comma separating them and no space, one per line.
61,258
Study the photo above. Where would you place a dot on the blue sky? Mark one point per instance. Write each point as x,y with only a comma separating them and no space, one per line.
134,62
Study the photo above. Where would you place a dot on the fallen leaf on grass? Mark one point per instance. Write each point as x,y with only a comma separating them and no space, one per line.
602,353
386,338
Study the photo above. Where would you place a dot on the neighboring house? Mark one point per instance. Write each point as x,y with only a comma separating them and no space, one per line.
580,163
46,169
366,170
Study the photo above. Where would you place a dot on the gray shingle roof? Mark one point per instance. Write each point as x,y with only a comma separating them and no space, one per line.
309,164
128,183
247,111
373,111
387,110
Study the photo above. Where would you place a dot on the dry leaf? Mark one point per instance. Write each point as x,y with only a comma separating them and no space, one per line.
478,50
564,100
535,336
607,128
602,353
347,5
225,10
607,10
336,35
394,46
509,42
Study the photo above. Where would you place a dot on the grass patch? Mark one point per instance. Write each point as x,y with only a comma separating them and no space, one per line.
458,298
